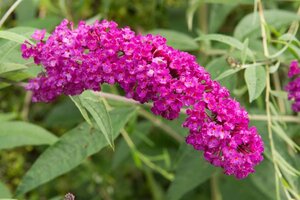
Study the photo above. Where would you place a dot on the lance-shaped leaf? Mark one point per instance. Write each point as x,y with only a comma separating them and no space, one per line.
71,150
16,133
255,80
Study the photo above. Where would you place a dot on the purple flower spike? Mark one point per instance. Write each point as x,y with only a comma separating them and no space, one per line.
148,70
293,87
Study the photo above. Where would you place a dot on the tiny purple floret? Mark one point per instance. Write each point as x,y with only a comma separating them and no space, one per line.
293,87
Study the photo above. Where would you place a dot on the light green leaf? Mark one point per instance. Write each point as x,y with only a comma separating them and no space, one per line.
255,80
274,67
192,171
71,150
16,133
177,39
10,50
190,12
231,41
4,191
281,133
279,94
96,107
217,67
244,51
9,67
227,73
92,20
8,35
77,102
8,116
10,53
250,23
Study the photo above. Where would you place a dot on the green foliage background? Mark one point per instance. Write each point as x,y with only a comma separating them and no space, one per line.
74,144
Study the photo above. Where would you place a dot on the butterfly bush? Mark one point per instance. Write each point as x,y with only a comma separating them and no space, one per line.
147,69
293,87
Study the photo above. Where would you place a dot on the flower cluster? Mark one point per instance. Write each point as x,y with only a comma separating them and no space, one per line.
293,87
82,58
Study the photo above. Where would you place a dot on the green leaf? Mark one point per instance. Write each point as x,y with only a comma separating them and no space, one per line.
16,133
255,80
96,107
192,171
240,189
8,35
231,41
122,150
190,12
10,50
279,94
274,68
4,191
71,150
8,116
218,15
78,103
227,73
9,67
218,67
282,134
177,39
250,23
63,115
263,178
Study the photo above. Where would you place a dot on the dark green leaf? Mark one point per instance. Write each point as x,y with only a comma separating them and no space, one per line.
234,189
122,150
264,180
96,107
71,150
276,18
192,170
218,15
15,134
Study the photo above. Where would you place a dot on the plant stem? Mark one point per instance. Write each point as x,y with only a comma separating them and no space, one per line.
144,158
267,98
285,118
9,11
215,192
263,28
282,118
160,124
26,105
